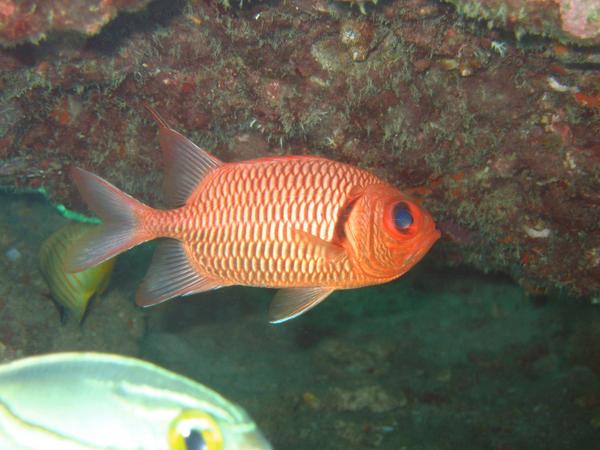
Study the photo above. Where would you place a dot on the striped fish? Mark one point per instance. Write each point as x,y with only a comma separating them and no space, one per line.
100,401
71,291
307,225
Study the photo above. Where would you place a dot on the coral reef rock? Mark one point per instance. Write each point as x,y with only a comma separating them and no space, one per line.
30,20
576,21
498,140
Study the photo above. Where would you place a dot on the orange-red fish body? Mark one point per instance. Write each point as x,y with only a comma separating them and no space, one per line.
252,223
306,224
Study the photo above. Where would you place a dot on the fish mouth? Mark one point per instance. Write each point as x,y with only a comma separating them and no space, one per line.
428,242
432,234
430,237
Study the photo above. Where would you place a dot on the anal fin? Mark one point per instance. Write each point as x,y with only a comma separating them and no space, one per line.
171,275
291,302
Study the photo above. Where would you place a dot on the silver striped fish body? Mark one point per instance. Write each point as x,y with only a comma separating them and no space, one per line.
72,291
85,401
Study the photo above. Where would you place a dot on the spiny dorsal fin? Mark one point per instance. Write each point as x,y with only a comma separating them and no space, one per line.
186,163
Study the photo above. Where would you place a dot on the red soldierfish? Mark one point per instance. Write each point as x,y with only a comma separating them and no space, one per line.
307,225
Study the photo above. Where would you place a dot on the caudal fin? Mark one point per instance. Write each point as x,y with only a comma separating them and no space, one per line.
120,214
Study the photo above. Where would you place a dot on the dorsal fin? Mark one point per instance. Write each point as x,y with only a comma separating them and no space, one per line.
186,163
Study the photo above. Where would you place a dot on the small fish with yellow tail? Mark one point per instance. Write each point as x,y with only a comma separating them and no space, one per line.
71,291
306,225
93,401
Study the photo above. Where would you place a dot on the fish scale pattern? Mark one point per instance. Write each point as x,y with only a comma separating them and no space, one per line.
249,223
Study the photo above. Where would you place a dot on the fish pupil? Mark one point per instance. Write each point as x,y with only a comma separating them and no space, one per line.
195,441
402,216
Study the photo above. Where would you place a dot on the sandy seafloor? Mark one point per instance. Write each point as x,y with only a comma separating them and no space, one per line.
438,360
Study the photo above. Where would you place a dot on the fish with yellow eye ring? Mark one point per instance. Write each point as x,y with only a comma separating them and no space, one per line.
71,291
92,401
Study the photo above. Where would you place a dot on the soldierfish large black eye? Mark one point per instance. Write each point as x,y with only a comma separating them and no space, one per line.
402,216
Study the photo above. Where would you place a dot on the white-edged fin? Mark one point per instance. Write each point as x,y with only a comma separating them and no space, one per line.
186,163
291,302
171,275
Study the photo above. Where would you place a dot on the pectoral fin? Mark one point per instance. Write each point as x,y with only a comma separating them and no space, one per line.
329,251
291,302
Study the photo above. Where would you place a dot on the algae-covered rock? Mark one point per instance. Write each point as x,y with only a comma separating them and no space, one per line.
572,21
29,20
500,142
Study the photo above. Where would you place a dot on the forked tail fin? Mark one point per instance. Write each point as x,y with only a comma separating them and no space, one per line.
120,230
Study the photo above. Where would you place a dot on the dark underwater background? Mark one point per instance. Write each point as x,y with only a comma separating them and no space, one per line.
440,359
487,110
